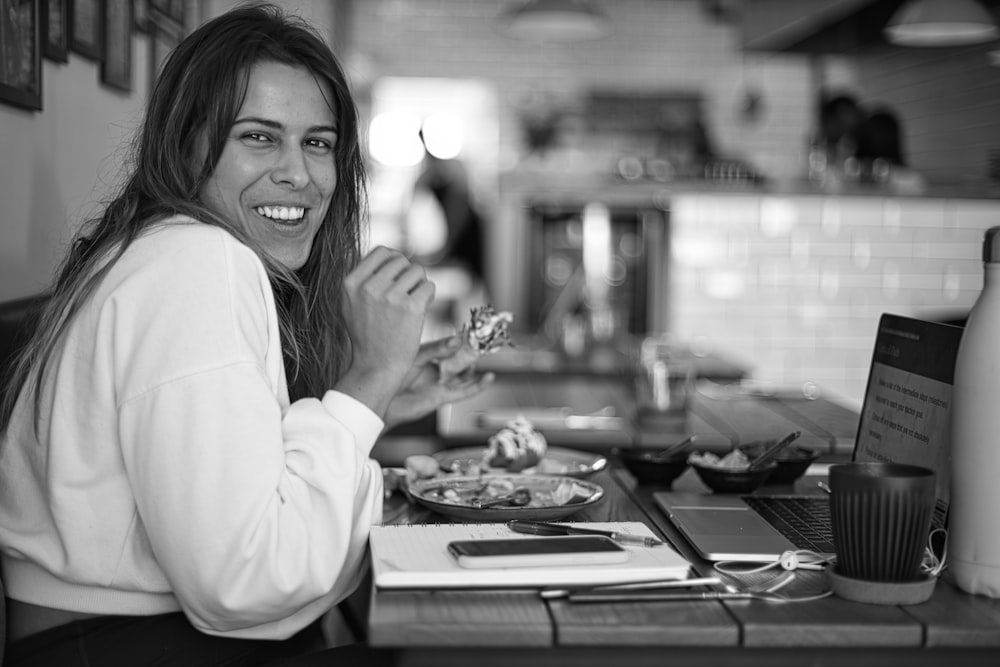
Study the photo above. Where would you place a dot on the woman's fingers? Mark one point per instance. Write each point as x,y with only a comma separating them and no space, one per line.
387,300
387,274
438,349
379,269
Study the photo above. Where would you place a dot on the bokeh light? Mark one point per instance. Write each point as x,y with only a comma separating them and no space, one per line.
394,139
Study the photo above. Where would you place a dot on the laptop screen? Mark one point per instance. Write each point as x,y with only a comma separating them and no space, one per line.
906,414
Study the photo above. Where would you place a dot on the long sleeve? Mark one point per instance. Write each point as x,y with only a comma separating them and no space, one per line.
175,472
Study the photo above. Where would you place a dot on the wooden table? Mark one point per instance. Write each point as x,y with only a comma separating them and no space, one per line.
517,627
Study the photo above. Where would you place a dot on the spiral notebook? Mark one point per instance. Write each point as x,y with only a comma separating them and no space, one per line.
416,556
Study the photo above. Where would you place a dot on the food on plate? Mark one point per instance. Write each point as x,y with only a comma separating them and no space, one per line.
734,460
421,466
478,492
415,467
516,446
487,331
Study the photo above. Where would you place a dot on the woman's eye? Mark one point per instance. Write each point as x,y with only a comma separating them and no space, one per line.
256,138
319,145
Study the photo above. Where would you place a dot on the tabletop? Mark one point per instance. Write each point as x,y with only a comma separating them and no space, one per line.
505,627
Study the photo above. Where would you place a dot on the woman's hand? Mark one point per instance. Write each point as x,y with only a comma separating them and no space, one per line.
423,389
386,299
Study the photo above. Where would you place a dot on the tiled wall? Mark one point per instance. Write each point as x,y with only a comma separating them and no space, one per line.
794,286
658,45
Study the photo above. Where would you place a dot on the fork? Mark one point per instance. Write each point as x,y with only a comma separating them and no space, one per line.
762,591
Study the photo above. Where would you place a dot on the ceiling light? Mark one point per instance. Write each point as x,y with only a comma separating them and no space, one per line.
941,23
556,21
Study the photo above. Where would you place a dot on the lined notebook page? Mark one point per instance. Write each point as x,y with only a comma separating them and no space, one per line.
416,556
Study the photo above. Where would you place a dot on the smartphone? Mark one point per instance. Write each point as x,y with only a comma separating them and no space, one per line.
538,551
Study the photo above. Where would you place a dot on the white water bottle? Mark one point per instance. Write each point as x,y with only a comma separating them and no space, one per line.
974,516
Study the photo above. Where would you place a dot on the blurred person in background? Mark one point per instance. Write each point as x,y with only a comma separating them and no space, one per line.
442,202
881,153
840,115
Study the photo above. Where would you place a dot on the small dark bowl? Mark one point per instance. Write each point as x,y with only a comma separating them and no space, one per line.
792,461
649,468
728,480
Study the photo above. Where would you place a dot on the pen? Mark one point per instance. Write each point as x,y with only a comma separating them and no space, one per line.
653,596
557,593
543,528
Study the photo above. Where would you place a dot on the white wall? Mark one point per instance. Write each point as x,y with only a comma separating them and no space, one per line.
55,164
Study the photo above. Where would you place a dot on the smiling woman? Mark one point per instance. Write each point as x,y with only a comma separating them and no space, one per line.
276,176
193,421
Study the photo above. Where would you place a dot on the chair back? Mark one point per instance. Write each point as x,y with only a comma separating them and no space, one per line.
17,320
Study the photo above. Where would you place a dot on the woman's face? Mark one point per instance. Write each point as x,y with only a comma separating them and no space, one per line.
276,175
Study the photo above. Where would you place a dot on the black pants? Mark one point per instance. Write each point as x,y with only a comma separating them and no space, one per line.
168,640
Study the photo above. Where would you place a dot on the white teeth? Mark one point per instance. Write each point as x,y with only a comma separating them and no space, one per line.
282,212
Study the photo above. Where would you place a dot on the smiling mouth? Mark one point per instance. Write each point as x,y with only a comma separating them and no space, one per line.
282,214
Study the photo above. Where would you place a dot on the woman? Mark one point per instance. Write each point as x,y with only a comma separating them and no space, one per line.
189,431
839,117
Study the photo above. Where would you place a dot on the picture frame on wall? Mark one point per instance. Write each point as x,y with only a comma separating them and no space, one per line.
116,60
55,30
85,28
141,16
177,10
167,32
163,43
173,9
21,53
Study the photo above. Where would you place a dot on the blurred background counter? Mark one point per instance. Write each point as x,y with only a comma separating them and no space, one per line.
782,279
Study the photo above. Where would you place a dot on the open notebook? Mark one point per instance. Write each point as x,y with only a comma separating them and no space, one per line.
416,556
905,418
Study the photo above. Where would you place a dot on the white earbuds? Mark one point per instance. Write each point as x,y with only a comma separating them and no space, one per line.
803,559
790,560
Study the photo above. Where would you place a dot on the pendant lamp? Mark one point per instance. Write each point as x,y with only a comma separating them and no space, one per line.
941,23
556,21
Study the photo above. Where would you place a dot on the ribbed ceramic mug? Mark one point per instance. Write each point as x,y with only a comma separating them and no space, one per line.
881,514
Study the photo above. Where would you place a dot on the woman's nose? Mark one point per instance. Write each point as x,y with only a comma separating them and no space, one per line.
291,168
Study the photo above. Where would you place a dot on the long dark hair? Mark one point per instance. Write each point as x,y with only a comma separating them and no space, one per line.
880,136
192,107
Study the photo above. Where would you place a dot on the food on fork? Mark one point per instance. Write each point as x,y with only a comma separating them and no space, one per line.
486,331
516,446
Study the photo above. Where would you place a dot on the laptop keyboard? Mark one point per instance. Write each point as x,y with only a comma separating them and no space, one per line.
805,520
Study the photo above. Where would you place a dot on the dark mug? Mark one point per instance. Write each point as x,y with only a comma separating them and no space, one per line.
881,514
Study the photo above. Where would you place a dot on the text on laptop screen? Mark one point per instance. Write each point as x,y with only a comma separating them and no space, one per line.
906,415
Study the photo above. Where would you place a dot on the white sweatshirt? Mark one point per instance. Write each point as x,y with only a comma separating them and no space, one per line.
170,471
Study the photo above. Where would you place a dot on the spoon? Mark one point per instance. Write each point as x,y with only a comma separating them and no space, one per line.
774,450
675,448
519,497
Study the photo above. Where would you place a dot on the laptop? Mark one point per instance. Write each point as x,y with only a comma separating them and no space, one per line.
905,418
